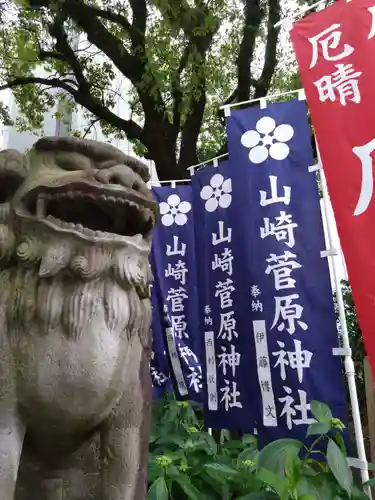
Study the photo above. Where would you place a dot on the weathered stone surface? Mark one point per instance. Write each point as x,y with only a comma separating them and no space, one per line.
75,391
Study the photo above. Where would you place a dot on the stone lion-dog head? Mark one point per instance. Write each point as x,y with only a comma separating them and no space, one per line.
83,220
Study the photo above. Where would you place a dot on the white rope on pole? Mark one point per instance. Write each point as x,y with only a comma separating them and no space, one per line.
172,182
298,13
349,365
287,22
211,160
300,92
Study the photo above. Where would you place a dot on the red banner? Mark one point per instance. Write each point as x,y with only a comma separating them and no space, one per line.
335,50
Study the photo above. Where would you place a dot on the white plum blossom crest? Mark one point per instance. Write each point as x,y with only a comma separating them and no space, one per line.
217,193
267,140
174,211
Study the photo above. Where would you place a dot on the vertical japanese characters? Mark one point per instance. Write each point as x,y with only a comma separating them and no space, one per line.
291,316
225,321
173,253
219,314
288,312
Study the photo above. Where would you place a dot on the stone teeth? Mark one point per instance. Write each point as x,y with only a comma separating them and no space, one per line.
79,227
138,238
41,206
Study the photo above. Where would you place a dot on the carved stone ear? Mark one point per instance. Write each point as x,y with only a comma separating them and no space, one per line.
145,333
13,170
55,258
133,269
7,243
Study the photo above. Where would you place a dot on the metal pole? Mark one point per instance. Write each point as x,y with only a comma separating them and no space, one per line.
349,365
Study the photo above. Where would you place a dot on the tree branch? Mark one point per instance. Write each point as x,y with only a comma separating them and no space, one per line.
132,129
179,13
93,122
32,80
57,31
245,57
139,9
253,18
109,15
48,54
271,52
134,67
192,126
136,29
176,91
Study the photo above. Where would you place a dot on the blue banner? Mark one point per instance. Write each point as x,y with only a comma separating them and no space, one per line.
291,315
232,394
159,365
174,268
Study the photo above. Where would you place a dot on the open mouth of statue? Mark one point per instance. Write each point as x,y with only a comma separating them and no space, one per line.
91,213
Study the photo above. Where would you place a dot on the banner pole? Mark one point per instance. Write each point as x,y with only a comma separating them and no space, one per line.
349,365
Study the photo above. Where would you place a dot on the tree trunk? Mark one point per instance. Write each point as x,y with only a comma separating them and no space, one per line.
160,140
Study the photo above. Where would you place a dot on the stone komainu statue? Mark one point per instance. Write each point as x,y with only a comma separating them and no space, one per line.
74,311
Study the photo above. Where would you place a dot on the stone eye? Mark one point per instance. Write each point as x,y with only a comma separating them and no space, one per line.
69,160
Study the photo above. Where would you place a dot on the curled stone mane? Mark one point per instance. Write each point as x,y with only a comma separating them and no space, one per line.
75,284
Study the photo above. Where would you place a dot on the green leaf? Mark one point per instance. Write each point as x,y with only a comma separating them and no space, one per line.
273,456
320,411
215,484
274,481
188,488
222,468
293,469
339,440
248,455
153,472
234,444
318,428
260,495
210,441
250,440
172,439
339,466
158,490
172,472
357,493
318,486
